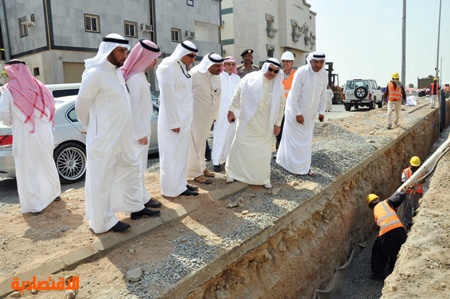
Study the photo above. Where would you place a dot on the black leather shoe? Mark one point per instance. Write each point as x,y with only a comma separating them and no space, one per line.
120,227
217,168
152,204
144,213
189,193
192,188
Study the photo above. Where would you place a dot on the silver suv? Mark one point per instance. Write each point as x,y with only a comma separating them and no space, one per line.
362,93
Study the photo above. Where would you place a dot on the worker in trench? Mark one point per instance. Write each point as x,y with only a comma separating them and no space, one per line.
414,193
391,235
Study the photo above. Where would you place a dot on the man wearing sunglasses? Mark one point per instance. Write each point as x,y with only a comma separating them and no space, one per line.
260,98
307,97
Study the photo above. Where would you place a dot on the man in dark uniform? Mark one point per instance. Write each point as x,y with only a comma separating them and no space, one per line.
247,66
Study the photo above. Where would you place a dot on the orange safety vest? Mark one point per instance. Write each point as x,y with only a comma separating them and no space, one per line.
288,83
434,88
386,218
395,93
418,188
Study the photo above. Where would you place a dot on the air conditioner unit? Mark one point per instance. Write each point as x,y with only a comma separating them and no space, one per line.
190,35
29,20
146,28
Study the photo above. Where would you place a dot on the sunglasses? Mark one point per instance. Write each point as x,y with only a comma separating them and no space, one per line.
272,70
191,55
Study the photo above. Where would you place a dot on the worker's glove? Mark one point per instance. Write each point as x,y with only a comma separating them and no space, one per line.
421,181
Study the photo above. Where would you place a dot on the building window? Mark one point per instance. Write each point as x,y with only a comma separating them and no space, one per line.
271,32
131,29
270,50
24,23
36,71
190,2
176,34
91,23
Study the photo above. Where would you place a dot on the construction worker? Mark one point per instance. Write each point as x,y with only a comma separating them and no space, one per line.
392,233
395,94
407,210
434,91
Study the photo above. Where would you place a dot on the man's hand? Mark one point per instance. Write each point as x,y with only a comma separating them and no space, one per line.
143,141
276,130
231,117
176,130
300,119
321,118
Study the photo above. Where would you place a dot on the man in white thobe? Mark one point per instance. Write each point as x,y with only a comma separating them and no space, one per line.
28,106
103,108
224,131
329,99
260,98
308,97
206,94
175,119
142,57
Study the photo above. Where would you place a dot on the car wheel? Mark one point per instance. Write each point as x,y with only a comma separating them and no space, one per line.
361,92
380,104
70,160
347,107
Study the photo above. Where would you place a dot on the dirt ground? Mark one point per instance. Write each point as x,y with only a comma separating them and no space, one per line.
27,241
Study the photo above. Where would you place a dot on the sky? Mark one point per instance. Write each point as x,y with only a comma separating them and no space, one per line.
363,38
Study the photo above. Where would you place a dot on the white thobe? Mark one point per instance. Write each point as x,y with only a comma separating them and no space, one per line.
329,100
103,107
251,150
206,92
141,111
37,178
307,97
175,111
224,131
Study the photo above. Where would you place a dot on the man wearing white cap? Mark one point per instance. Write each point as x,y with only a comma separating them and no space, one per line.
260,98
223,130
206,92
104,110
28,106
307,97
175,120
143,56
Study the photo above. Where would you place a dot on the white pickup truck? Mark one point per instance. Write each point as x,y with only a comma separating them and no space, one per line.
362,93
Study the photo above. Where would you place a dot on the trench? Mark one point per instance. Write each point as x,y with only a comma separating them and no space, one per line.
301,252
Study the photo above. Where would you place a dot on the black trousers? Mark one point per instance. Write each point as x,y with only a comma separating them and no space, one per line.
279,135
386,248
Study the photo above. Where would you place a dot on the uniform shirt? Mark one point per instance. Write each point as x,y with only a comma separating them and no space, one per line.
242,71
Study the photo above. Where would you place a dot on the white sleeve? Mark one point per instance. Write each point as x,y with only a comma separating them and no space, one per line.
294,94
236,101
166,81
88,91
136,97
5,107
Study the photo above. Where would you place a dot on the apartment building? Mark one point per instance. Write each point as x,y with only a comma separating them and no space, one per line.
269,28
54,37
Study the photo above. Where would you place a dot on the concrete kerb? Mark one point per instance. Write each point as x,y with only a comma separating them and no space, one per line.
104,244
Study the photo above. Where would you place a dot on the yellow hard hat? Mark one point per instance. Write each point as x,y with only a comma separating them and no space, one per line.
415,161
435,79
395,76
371,197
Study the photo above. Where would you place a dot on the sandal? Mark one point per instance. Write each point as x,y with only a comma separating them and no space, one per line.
202,180
311,173
208,174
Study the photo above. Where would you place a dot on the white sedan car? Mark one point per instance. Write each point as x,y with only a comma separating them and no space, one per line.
70,144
